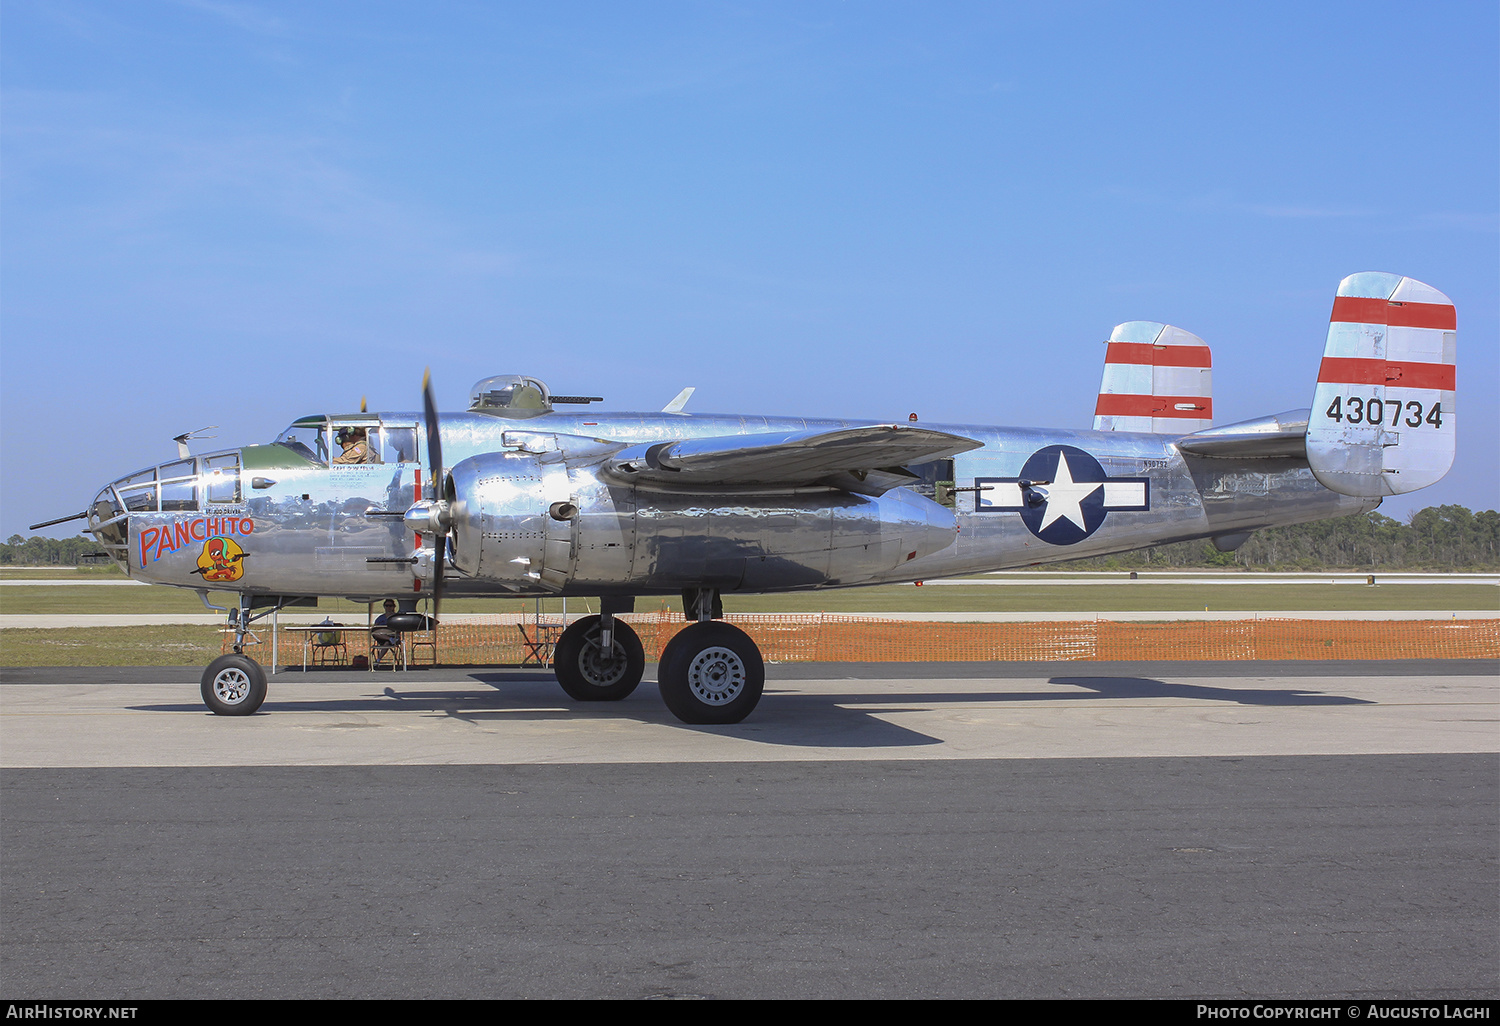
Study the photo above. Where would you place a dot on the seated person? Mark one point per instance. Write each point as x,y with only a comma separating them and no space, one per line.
355,445
383,635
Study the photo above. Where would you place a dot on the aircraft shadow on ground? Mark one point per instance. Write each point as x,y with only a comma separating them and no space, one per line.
848,719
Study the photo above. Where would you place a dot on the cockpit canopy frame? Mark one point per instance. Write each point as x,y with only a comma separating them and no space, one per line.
351,438
510,395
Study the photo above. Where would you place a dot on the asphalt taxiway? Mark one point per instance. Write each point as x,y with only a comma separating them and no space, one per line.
873,830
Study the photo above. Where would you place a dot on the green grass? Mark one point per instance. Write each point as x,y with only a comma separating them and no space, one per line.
72,573
168,645
1038,597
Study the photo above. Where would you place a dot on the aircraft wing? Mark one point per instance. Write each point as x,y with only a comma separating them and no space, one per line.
861,459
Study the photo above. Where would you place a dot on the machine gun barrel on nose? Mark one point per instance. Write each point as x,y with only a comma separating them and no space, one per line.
59,520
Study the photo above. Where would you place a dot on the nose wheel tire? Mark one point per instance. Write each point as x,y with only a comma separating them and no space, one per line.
234,685
711,673
584,670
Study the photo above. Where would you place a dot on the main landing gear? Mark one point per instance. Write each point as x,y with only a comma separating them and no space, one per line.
710,672
599,659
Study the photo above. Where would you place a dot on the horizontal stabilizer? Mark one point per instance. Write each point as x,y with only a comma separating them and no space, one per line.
1157,378
1383,417
1281,436
855,459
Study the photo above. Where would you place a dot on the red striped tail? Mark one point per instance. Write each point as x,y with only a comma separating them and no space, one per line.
1383,418
1157,378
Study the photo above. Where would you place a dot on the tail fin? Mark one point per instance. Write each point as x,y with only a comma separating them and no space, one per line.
1383,414
1156,378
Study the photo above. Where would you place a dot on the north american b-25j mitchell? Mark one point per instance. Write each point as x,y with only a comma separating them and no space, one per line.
518,498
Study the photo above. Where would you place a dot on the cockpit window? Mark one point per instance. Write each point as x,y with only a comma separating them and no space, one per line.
397,443
308,438
350,439
355,441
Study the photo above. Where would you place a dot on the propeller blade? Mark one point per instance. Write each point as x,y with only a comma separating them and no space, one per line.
434,443
435,459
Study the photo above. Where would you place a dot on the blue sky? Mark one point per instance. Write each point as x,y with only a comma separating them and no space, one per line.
228,213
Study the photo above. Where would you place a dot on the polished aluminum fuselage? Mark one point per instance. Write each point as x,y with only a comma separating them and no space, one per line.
306,529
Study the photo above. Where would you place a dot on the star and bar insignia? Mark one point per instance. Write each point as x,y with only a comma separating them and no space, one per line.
1063,494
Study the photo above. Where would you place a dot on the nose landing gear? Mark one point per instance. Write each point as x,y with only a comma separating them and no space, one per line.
234,685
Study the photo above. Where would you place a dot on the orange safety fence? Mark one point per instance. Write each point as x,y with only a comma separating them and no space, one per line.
831,637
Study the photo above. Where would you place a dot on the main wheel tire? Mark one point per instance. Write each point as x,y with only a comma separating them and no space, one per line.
234,685
583,671
711,673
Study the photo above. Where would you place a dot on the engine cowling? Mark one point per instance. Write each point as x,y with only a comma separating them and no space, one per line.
499,515
530,520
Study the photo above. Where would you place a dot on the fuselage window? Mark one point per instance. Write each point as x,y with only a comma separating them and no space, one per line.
398,444
221,477
138,492
936,481
178,487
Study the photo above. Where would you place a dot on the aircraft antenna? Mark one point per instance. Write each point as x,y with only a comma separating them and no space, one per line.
183,439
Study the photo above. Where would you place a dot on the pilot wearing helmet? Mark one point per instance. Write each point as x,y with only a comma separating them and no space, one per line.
355,444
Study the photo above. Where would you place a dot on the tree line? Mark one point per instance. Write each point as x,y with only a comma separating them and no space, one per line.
39,551
1436,538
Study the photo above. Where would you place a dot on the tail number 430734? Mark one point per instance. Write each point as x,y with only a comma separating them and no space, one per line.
1357,410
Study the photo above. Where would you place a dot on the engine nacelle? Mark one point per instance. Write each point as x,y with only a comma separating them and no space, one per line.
541,520
499,512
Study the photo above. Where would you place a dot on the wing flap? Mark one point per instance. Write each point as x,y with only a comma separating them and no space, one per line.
850,458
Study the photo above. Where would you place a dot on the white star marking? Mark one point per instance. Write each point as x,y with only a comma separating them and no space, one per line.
1064,496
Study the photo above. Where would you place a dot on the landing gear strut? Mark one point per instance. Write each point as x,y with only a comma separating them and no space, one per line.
235,684
599,659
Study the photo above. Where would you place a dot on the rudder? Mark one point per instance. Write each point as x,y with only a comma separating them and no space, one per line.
1157,378
1383,415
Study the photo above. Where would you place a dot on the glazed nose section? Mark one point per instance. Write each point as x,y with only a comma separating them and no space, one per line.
109,523
197,484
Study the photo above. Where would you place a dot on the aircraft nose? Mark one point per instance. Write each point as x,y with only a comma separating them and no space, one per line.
109,523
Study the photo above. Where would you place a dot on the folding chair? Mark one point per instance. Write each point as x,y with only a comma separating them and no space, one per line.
540,640
423,639
393,650
328,649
